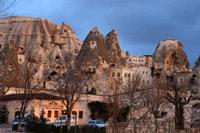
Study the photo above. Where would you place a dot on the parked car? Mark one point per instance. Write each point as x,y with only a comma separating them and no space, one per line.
97,123
16,122
63,119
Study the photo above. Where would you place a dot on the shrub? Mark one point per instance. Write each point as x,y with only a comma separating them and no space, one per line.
3,114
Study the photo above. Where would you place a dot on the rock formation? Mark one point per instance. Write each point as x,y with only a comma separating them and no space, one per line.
38,41
169,56
52,49
97,55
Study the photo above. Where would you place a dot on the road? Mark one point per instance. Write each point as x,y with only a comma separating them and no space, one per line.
6,128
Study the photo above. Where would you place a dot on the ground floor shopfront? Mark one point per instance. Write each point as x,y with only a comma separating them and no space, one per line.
51,107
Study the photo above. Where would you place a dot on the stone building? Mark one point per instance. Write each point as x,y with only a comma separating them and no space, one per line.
52,106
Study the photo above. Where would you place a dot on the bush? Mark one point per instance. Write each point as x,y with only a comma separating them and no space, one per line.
93,129
3,114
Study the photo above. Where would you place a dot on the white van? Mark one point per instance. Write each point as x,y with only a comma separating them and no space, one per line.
63,119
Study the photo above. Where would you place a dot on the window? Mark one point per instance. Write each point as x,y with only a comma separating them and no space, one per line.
57,57
74,113
129,75
80,116
49,114
55,114
10,67
113,74
125,75
76,50
118,74
129,60
93,44
63,112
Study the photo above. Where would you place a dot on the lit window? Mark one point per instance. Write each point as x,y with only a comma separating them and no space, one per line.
56,114
49,114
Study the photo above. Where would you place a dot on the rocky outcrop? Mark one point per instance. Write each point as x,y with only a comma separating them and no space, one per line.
97,55
98,50
93,52
116,55
169,56
38,41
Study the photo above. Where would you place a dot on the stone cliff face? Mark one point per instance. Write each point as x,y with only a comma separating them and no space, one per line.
52,49
38,41
93,51
97,55
169,56
116,55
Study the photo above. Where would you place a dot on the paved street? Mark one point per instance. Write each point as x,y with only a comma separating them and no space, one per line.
5,128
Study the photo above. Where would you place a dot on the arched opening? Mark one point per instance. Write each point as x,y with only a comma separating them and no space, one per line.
57,57
53,73
17,113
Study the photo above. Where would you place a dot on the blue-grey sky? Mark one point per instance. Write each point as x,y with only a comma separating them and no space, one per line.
141,24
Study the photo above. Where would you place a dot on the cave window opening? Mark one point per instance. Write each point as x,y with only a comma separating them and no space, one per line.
113,74
76,50
118,75
20,60
57,57
60,46
129,75
112,65
42,44
10,67
125,75
53,73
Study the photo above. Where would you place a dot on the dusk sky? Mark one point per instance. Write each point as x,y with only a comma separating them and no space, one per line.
141,24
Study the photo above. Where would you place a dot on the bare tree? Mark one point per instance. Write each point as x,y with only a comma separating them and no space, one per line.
177,96
69,86
155,98
134,92
117,107
26,85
